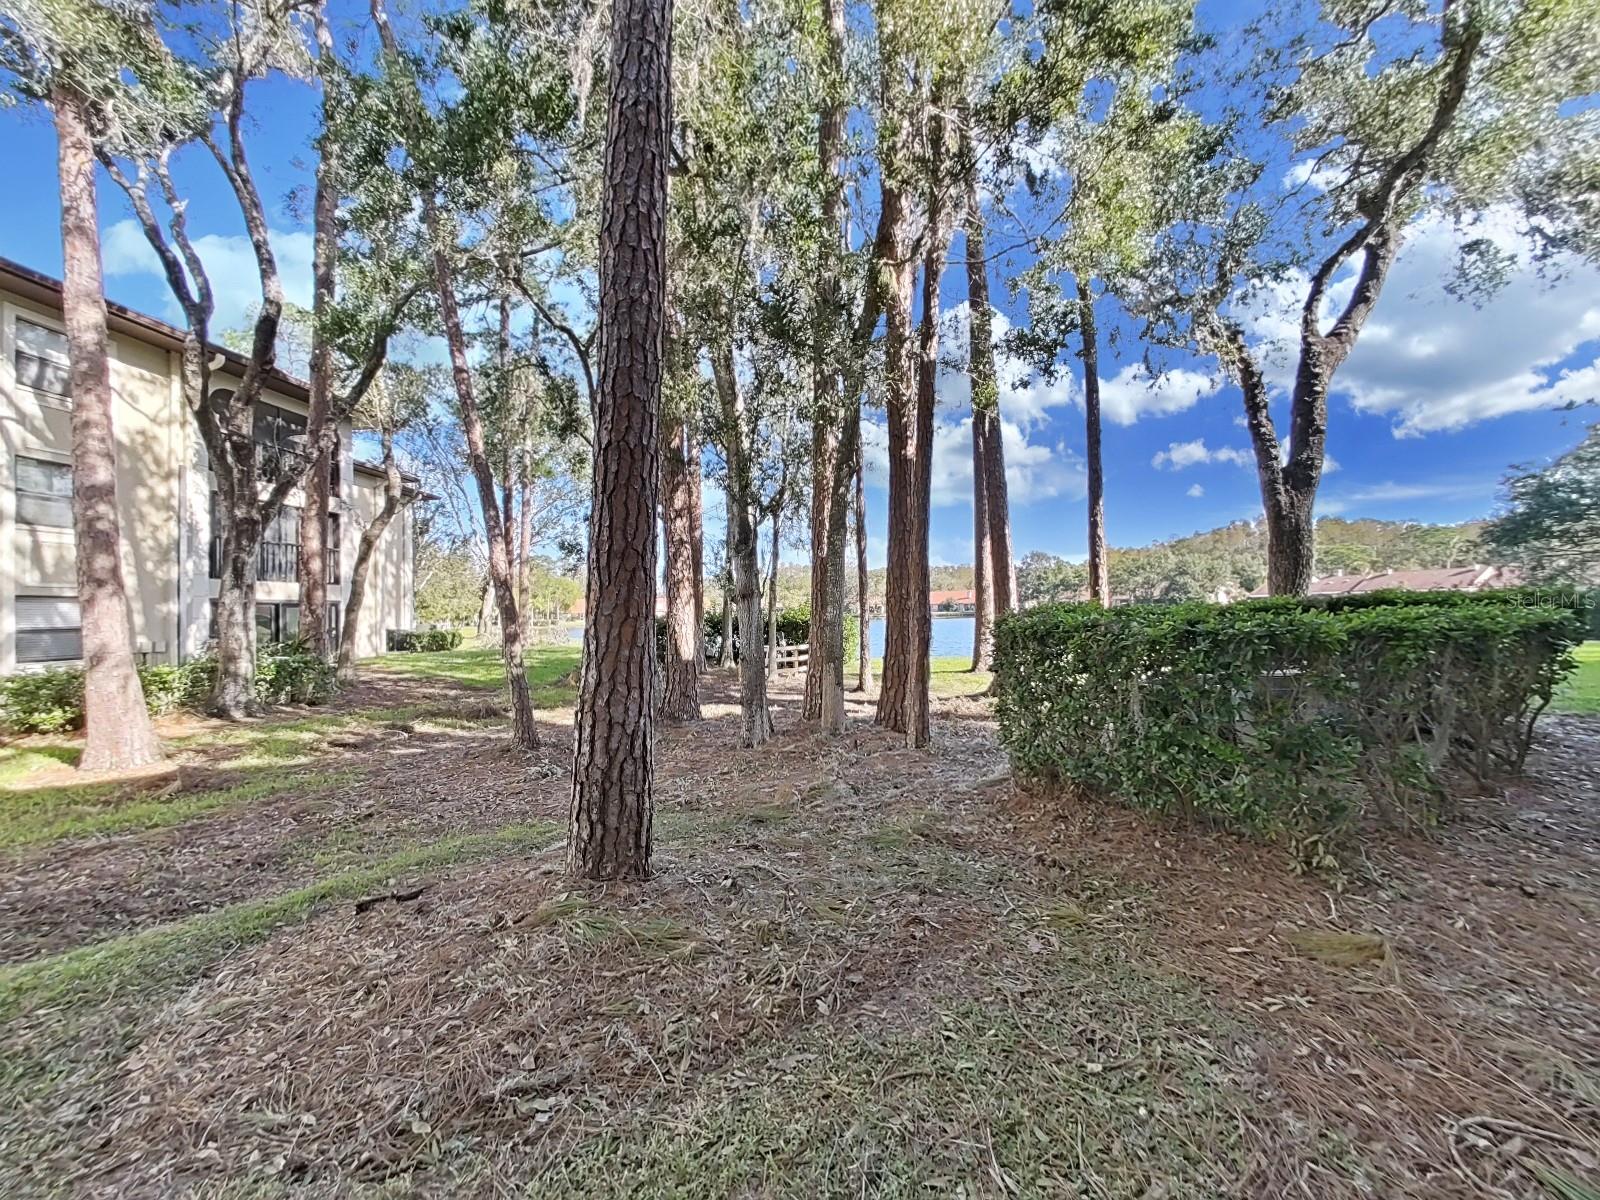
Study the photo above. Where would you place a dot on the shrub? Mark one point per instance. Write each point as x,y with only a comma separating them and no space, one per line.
287,674
52,701
426,641
45,702
1279,718
794,628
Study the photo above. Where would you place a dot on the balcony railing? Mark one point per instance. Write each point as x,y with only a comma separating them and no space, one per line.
276,562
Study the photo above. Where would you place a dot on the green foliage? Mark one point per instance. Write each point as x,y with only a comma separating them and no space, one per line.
52,701
286,674
1551,525
794,629
1281,718
46,702
426,641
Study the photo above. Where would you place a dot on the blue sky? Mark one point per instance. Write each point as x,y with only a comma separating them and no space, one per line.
1437,401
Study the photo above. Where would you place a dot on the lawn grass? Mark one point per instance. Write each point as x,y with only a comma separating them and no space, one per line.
951,675
480,667
36,815
1581,691
20,760
169,956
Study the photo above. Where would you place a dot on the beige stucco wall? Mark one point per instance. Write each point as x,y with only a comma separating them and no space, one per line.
163,492
389,602
39,560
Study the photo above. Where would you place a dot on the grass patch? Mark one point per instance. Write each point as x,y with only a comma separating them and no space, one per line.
480,667
172,955
1339,949
1011,1093
21,759
1580,692
951,675
40,815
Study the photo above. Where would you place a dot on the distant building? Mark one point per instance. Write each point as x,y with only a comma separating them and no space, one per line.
1473,578
963,602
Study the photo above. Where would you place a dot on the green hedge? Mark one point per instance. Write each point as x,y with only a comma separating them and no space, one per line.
412,641
1279,718
794,628
52,701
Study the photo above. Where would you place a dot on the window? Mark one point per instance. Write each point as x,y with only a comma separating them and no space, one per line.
277,557
41,359
277,623
280,437
48,629
44,493
333,625
333,547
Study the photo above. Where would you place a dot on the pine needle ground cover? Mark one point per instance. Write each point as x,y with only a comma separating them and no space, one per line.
859,970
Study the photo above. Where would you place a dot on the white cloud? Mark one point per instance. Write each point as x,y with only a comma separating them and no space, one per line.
1179,455
230,265
1131,393
1390,492
1026,396
1195,491
1034,471
1431,362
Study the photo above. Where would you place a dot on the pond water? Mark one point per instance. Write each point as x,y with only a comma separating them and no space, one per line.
952,637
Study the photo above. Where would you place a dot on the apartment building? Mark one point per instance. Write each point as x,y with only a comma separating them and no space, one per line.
165,493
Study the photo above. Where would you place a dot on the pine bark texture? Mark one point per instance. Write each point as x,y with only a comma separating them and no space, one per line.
756,718
312,564
991,499
613,766
863,579
832,412
1099,568
901,620
680,695
118,734
697,540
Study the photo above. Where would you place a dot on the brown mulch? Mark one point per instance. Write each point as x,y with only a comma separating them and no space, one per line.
1443,1041
1463,1044
412,784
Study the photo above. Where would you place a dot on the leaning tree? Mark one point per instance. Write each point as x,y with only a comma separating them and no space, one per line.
1486,113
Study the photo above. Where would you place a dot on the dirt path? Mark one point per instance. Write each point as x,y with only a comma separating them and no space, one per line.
860,970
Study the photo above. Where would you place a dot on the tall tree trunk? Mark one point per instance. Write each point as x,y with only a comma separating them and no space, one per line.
366,548
988,432
756,718
772,597
525,732
680,696
903,702
900,601
863,579
117,730
1291,541
233,696
982,552
830,426
697,537
612,775
725,650
485,610
1099,572
312,556
523,729
985,406
524,544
